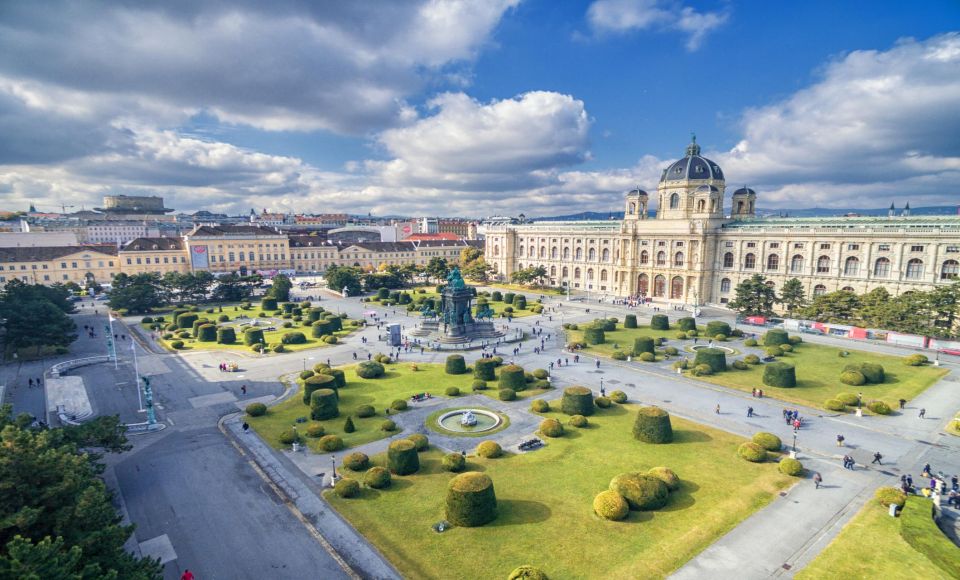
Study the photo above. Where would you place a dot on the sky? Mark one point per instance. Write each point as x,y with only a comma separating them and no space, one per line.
473,108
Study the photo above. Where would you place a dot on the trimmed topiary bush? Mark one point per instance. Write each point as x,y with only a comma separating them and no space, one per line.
687,323
630,321
347,488
507,395
642,344
773,351
520,302
577,401
667,476
790,466
186,319
618,355
916,360
602,402
323,404
399,405
872,373
207,333
834,405
879,407
647,357
471,500
539,406
348,426
715,358
751,359
331,443
780,374
226,335
402,457
715,327
455,365
888,496
659,322
610,505
485,369
768,441
750,342
370,370
652,425
489,449
527,573
365,411
775,337
315,383
256,409
252,336
752,452
848,399
512,377
268,304
701,370
739,365
356,461
388,426
578,421
551,428
452,391
478,385
540,374
293,338
618,397
315,430
453,462
641,491
320,328
594,335
377,478
176,344
420,441
853,378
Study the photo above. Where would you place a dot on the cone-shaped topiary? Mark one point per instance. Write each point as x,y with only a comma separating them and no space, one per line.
527,573
768,441
348,426
659,322
610,505
752,452
780,374
715,327
323,404
489,449
456,365
594,335
653,425
471,500
790,466
642,491
377,478
551,428
643,344
715,358
226,335
513,377
577,401
454,462
630,321
775,337
485,369
315,383
667,476
402,457
687,323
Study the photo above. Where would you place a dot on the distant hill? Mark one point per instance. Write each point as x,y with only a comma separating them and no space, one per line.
808,212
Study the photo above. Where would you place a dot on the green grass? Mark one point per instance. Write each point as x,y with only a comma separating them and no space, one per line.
497,307
545,506
400,382
872,546
622,339
534,289
431,423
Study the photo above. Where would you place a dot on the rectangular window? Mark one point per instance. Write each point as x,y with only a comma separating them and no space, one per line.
138,260
63,265
824,246
129,260
916,248
45,267
65,277
883,247
110,263
46,277
798,246
728,244
953,249
751,244
679,244
774,245
661,243
33,266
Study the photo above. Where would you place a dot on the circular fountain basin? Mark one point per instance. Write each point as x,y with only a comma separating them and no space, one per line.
451,421
725,349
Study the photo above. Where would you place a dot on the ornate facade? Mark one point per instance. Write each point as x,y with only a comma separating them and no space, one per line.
692,252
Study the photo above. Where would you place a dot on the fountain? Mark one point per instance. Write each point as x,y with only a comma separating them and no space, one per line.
469,421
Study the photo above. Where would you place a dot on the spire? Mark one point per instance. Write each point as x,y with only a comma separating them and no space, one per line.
906,210
693,148
892,211
891,205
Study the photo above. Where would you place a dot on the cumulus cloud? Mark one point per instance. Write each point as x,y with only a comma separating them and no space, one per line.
622,16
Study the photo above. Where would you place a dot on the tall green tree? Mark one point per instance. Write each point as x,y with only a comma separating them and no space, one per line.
437,268
37,324
839,307
477,270
754,297
280,289
792,295
340,277
19,292
137,293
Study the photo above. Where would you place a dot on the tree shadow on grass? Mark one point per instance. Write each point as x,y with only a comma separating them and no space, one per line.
682,498
512,512
612,410
397,483
690,436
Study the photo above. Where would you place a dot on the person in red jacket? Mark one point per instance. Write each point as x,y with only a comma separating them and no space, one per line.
187,575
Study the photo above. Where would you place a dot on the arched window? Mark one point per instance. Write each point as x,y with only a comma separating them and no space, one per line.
566,253
576,273
678,260
773,262
848,289
851,267
701,205
553,270
823,265
496,251
592,254
950,270
644,257
659,286
728,260
749,262
676,288
796,264
553,253
661,258
675,201
725,285
532,252
603,275
590,274
251,256
881,268
543,252
606,255
564,273
633,208
579,254
521,252
643,284
914,269
819,290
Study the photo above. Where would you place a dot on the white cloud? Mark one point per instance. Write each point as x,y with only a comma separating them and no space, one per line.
622,16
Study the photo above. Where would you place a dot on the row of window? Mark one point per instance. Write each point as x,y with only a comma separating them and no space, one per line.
851,266
662,259
156,260
818,290
63,266
577,272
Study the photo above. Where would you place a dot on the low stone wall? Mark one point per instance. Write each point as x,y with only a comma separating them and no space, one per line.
60,368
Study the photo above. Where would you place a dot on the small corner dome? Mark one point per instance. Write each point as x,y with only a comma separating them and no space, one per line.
638,192
745,191
707,189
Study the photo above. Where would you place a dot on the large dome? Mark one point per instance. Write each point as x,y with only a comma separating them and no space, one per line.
692,167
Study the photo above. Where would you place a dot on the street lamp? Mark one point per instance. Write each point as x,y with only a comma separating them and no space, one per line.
333,476
859,400
794,443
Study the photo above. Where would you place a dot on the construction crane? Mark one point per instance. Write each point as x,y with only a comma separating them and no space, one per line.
63,207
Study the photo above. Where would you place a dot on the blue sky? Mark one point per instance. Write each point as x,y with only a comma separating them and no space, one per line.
475,108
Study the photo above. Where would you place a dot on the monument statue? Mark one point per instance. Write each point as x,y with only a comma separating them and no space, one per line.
468,419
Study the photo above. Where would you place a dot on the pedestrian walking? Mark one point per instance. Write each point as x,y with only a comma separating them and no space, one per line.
187,575
30,383
876,458
243,389
598,363
759,393
817,480
749,411
903,403
717,410
923,413
840,440
246,426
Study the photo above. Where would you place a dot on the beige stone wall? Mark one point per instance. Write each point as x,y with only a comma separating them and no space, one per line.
78,267
154,261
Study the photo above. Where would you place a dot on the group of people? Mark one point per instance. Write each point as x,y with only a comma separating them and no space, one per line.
792,417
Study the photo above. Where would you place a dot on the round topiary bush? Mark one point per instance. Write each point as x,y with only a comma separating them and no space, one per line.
455,365
879,407
641,491
739,365
402,458
347,488
471,500
853,378
551,428
489,449
618,355
780,374
751,359
848,399
594,335
452,391
365,411
888,496
775,337
647,357
256,409
288,437
606,324
527,573
786,348
454,462
315,383
520,302
540,374
602,402
667,476
872,373
915,360
610,505
293,338
252,336
356,461
790,466
659,322
834,405
176,344
315,430
513,377
331,443
186,319
323,404
507,395
752,452
768,441
773,351
652,425
377,478
578,421
577,401
420,441
370,370
630,321
715,358
702,370
399,405
687,323
388,426
642,344
539,406
478,385
485,369
715,327
226,335
750,342
618,397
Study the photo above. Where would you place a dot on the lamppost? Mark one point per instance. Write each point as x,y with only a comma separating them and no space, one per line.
601,385
794,452
859,400
333,476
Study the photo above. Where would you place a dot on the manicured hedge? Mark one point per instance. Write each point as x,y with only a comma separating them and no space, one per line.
370,370
687,323
252,336
256,409
402,457
780,374
456,365
226,335
652,425
594,335
496,296
507,395
630,321
377,478
315,383
339,377
323,404
879,407
659,322
485,369
512,377
715,358
347,488
187,319
641,491
454,462
551,428
577,401
539,406
610,505
471,500
872,373
768,441
321,328
356,461
915,360
489,449
618,397
715,327
207,333
667,476
508,297
790,466
642,344
420,441
752,452
919,529
313,314
776,336
520,302
293,338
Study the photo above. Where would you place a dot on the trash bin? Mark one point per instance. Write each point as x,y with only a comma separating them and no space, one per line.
893,510
296,447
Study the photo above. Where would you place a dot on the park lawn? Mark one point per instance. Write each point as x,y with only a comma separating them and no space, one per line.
526,289
497,307
400,382
818,377
622,339
545,506
871,546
